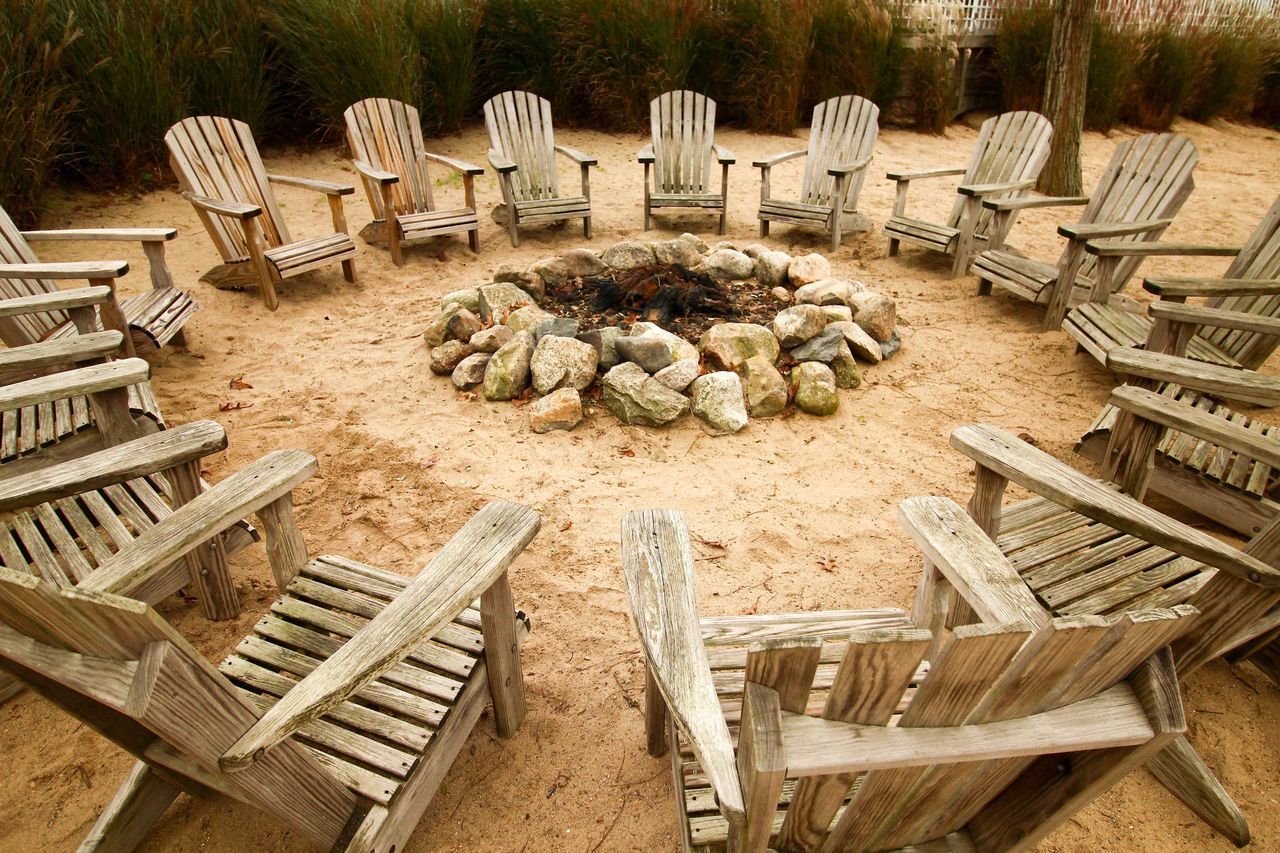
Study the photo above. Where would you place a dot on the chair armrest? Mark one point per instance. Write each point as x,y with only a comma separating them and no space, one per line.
1201,315
74,383
1128,248
1044,475
1184,287
646,154
770,162
465,567
1174,414
132,235
988,189
926,173
233,209
1029,202
848,168
501,163
1090,230
128,461
953,542
1230,382
460,166
724,155
59,300
326,187
577,156
364,169
90,270
62,351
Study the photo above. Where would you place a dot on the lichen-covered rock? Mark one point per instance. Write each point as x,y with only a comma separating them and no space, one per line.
507,373
845,368
468,298
564,327
697,242
728,345
813,387
470,371
527,318
635,397
754,250
560,409
437,330
678,374
728,265
560,362
771,268
445,357
716,398
876,314
648,351
829,291
823,346
765,388
530,282
681,350
462,326
499,298
861,344
807,269
837,313
628,254
572,264
679,252
492,338
795,325
604,340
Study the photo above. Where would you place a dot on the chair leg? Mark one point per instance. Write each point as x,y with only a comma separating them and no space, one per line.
724,218
473,240
586,227
512,230
835,234
349,270
655,716
393,243
179,338
893,247
646,210
137,805
1188,778
984,287
764,228
502,657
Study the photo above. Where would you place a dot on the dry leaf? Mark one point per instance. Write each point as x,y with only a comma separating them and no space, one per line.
231,407
827,564
431,461
238,384
626,451
1029,439
566,526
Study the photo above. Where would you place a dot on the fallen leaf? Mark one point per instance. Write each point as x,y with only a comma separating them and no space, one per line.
431,461
626,451
238,384
827,564
1029,439
467,395
231,407
566,526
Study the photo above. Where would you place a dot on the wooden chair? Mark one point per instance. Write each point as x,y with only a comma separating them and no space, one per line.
522,149
848,739
339,714
149,320
842,135
1141,190
386,143
219,171
1005,163
1082,549
683,125
1248,292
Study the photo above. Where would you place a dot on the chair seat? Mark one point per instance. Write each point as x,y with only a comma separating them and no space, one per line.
772,208
711,200
1098,328
26,430
303,255
552,209
431,223
941,238
1026,277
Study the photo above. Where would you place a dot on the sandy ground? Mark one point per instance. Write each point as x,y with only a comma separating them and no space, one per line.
340,370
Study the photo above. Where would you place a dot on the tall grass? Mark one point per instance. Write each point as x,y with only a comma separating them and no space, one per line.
1232,63
1024,29
521,45
931,66
1164,79
1114,52
858,48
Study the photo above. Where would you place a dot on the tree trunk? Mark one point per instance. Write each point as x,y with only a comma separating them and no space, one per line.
1065,83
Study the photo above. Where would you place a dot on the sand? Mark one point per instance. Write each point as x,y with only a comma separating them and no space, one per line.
791,514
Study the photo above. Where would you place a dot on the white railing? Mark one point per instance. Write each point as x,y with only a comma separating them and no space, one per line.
978,17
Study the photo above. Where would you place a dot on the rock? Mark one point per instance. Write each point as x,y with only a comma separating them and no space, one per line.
754,250
468,298
860,343
679,252
764,386
561,362
823,346
436,331
531,283
781,294
725,244
509,272
716,398
697,242
492,338
648,351
876,314
507,373
829,291
560,409
889,348
813,386
470,371
845,368
445,357
837,313
795,325
500,298
526,319
563,327
678,374
728,265
572,264
771,268
462,326
628,254
728,345
634,397
603,340
500,215
807,269
681,350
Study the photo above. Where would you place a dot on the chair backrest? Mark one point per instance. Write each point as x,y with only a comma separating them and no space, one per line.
843,130
683,125
1260,258
387,135
216,157
520,129
1010,147
23,328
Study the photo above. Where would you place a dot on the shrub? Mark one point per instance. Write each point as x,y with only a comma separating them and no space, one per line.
445,35
931,67
1024,30
1232,64
1114,53
858,49
521,45
1164,79
1266,104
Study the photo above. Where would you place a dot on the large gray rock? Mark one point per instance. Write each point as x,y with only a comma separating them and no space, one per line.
681,350
716,398
604,340
861,344
462,326
876,314
437,331
678,374
501,297
679,252
492,338
728,345
838,313
470,371
754,250
445,357
628,254
560,409
530,282
823,346
507,374
807,269
813,387
771,268
829,291
696,242
795,325
635,397
765,388
648,351
889,348
845,368
728,265
527,318
560,362
572,264
468,298
564,327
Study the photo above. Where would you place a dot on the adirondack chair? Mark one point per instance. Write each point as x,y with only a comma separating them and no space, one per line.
683,125
522,150
1230,340
842,135
219,171
1084,549
1006,161
149,320
339,714
1010,730
1141,190
385,137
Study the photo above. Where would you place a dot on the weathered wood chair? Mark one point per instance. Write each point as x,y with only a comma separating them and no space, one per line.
842,136
1005,163
219,171
150,320
683,127
1141,190
848,739
522,149
386,143
1240,303
342,711
1082,548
